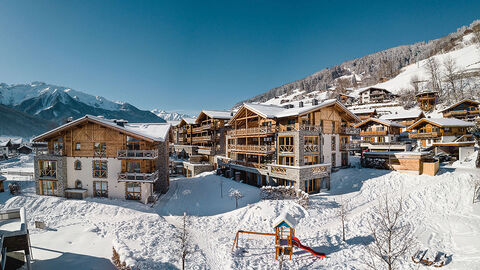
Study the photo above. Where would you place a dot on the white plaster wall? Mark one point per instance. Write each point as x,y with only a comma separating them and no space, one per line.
448,138
115,189
327,149
465,152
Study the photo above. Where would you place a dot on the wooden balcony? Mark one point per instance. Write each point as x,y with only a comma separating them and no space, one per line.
48,173
350,146
302,127
138,177
252,131
251,148
205,150
350,131
373,133
250,164
137,154
197,129
461,113
207,126
202,138
282,171
311,148
424,135
286,148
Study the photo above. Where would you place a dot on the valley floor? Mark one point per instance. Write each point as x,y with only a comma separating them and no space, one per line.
81,233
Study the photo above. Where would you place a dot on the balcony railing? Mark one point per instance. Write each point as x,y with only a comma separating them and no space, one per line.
424,135
252,131
286,148
137,154
276,170
454,113
197,129
373,133
202,138
350,130
308,148
303,127
99,153
205,150
50,173
251,148
207,126
250,164
349,146
51,152
138,177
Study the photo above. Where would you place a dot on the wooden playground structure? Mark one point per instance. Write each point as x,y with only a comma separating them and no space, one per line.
285,238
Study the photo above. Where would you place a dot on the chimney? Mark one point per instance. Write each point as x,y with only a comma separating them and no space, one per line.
231,113
315,101
300,104
121,122
69,119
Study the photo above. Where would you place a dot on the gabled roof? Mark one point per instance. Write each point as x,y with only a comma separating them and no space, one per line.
403,115
147,131
384,122
275,111
5,143
374,88
187,120
442,122
225,115
426,92
460,102
284,219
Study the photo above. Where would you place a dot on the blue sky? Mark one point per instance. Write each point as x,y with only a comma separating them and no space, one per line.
189,55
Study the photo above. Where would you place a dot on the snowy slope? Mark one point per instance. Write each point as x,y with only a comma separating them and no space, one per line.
169,116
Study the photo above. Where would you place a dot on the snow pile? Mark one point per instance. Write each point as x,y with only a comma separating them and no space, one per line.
468,162
124,253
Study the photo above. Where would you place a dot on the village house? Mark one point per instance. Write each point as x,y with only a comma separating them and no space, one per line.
97,157
427,100
375,95
199,140
406,118
298,146
466,109
428,131
365,113
381,135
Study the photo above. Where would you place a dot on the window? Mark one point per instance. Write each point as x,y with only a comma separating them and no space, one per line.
100,168
311,160
333,126
310,185
77,165
286,144
78,146
48,168
78,184
133,143
285,182
100,189
334,157
285,160
311,144
100,149
133,167
48,187
334,143
133,191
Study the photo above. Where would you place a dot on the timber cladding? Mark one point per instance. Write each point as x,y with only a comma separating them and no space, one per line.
80,141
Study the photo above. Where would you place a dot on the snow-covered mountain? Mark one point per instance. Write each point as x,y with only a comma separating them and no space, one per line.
169,116
392,68
57,103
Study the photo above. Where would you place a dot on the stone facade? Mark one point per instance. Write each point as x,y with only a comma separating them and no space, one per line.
61,175
163,181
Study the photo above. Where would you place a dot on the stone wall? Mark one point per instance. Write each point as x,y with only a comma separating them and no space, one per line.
61,173
163,181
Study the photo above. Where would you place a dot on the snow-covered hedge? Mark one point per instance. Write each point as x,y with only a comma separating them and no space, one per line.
122,256
284,192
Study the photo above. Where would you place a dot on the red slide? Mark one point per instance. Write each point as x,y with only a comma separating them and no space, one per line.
297,243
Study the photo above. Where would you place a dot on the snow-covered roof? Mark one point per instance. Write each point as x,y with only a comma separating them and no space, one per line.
152,131
284,218
189,120
443,122
426,92
460,102
381,121
275,111
402,115
5,143
376,88
218,114
363,111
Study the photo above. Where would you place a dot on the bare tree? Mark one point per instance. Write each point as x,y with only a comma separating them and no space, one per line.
342,214
433,69
407,98
392,236
185,241
235,194
451,77
414,81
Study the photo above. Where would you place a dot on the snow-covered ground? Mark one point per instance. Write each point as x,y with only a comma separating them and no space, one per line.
82,232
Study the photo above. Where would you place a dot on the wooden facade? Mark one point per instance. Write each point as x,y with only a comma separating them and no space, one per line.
466,110
427,100
381,135
429,131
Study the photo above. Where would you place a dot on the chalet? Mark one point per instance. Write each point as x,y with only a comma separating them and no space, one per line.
466,110
428,131
365,113
24,149
5,147
199,140
270,144
375,95
427,100
381,135
405,118
346,99
97,157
